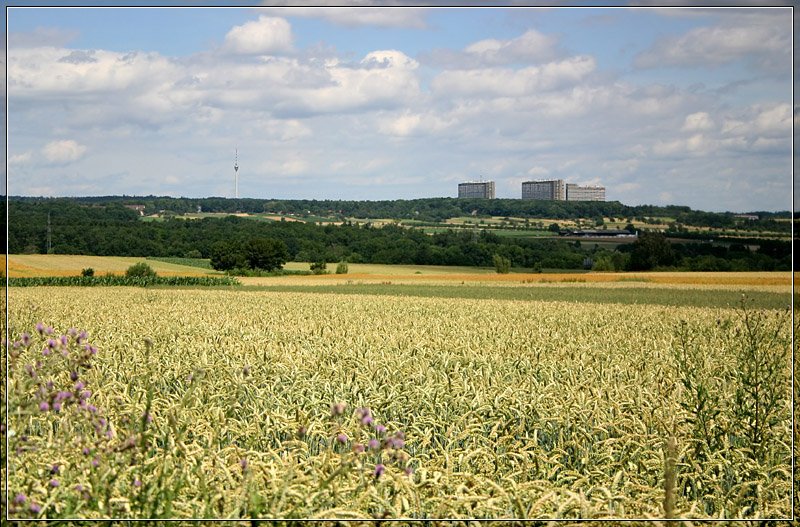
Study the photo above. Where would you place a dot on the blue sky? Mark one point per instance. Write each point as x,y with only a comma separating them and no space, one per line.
683,106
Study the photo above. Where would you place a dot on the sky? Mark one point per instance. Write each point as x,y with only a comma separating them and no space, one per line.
685,106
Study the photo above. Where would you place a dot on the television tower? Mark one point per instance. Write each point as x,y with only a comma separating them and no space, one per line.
236,172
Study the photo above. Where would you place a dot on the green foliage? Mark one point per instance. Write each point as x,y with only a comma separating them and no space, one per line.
734,398
140,270
762,377
199,262
225,256
87,272
501,264
101,226
112,280
265,253
651,250
318,267
554,227
342,268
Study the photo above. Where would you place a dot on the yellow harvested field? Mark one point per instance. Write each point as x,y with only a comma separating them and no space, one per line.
32,265
397,274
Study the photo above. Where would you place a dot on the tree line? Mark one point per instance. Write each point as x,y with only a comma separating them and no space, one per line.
110,229
440,209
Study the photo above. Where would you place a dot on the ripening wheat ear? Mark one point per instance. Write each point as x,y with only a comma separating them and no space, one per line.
670,473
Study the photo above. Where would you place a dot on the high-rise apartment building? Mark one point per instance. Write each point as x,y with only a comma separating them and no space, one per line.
588,193
476,189
552,189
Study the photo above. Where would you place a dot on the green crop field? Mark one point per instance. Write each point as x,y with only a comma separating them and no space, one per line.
459,402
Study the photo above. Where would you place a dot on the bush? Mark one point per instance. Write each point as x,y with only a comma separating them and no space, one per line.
140,270
501,264
318,267
87,272
194,253
342,268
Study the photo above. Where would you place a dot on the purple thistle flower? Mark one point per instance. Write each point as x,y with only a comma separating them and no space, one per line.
358,448
51,343
148,417
137,483
86,394
95,462
44,406
93,350
366,420
82,336
26,339
380,429
342,438
73,376
31,370
54,483
50,385
16,344
56,406
86,451
91,408
338,408
64,339
243,463
20,498
396,443
72,332
35,508
374,444
79,487
409,471
379,469
55,469
40,327
48,330
79,386
46,352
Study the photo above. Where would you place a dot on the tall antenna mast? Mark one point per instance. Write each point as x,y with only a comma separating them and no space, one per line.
236,172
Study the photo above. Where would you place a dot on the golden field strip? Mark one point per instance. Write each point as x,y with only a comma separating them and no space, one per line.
508,409
36,265
71,265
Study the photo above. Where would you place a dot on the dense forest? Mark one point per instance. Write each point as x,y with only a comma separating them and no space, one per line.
439,209
96,227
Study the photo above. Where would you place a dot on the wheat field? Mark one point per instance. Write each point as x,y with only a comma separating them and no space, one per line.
252,404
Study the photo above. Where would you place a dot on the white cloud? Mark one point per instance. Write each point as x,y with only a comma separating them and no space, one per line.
505,82
413,124
531,47
698,122
767,44
538,172
358,13
264,36
63,151
20,159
